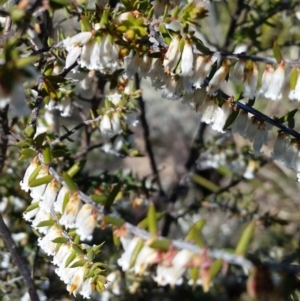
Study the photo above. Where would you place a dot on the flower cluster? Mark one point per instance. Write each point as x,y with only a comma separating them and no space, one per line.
53,211
172,265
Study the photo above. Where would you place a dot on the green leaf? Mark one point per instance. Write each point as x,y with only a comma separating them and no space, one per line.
160,244
46,154
71,257
110,199
151,217
32,206
277,53
85,22
215,268
205,183
288,116
193,235
40,181
77,249
39,140
79,263
57,153
245,239
60,240
35,173
76,168
28,152
293,78
144,223
99,199
69,181
47,223
113,220
136,252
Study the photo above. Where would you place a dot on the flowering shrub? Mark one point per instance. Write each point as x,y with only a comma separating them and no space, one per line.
73,79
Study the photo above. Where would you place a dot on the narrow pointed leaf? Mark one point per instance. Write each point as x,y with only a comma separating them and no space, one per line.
110,199
151,217
277,53
60,240
245,239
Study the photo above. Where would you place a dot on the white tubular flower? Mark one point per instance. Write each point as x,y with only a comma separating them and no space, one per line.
124,261
69,215
49,196
86,221
65,273
73,46
220,116
110,126
29,215
41,215
173,275
260,138
86,288
201,70
90,56
280,146
76,283
240,124
30,169
218,78
63,253
115,98
187,59
266,79
46,243
38,191
251,129
145,65
132,64
237,75
295,94
276,84
173,54
289,156
173,88
209,109
58,204
145,258
251,82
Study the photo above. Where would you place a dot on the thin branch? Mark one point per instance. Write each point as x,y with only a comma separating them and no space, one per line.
11,246
4,132
147,137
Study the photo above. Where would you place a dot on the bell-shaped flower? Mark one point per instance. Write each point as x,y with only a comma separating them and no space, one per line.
260,138
71,211
146,257
266,79
201,70
58,204
250,169
209,110
173,87
76,283
63,252
110,125
173,54
295,94
145,66
125,260
74,46
29,215
251,82
281,143
251,129
187,59
49,196
289,156
46,243
220,116
240,123
86,221
132,64
237,74
42,215
218,78
87,288
38,191
30,169
274,91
